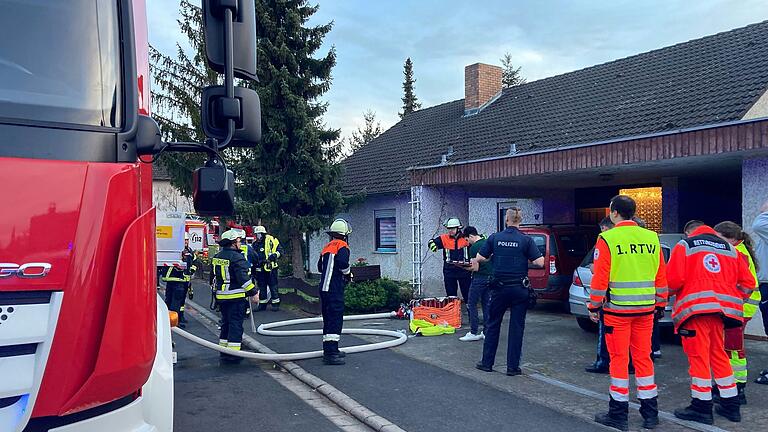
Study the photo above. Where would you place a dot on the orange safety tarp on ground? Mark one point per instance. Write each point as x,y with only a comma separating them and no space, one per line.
438,310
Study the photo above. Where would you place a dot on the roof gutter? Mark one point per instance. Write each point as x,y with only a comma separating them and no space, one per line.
596,143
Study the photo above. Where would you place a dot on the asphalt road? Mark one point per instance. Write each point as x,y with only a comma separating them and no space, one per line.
214,397
415,395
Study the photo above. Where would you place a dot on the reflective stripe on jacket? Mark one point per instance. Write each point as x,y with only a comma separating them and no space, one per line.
333,265
629,271
750,304
271,245
707,276
232,275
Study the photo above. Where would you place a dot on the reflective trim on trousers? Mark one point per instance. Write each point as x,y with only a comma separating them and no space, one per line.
647,394
727,392
725,382
620,382
619,397
233,346
331,338
701,395
223,342
645,381
701,382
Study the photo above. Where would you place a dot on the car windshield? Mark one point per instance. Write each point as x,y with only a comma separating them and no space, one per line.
60,62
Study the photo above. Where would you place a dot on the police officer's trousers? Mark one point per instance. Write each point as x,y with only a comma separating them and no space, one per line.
515,298
232,316
332,306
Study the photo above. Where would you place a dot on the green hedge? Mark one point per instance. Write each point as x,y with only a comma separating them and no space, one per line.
380,295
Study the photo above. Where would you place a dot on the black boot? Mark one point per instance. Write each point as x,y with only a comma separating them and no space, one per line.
275,307
262,307
730,408
699,411
617,415
331,354
742,395
649,409
181,318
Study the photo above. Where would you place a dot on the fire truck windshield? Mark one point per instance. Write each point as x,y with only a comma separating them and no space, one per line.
60,63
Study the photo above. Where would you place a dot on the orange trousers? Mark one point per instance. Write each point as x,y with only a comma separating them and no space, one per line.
702,338
622,335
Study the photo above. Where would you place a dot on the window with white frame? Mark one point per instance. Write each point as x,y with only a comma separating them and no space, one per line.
385,225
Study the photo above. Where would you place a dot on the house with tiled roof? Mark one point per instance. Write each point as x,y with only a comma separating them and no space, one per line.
684,129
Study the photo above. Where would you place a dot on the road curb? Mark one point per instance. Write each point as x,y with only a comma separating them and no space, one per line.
339,398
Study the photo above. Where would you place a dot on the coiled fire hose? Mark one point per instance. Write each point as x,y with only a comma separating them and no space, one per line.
267,330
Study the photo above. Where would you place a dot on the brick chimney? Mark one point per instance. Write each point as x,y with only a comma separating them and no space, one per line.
482,82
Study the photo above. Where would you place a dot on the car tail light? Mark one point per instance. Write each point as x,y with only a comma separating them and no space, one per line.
552,264
577,280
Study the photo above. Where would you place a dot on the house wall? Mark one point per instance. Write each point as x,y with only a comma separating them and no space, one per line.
167,198
362,242
483,212
754,191
759,109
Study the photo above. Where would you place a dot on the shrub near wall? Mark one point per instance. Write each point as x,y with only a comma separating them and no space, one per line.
380,295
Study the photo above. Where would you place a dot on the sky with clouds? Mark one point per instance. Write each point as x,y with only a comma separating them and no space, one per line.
544,37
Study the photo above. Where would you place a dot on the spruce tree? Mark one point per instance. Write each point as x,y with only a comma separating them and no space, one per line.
177,84
288,182
365,134
410,101
510,75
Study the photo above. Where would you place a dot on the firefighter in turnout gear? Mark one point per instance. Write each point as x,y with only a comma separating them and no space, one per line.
629,286
177,279
734,337
233,284
335,273
189,256
710,281
455,251
268,251
250,256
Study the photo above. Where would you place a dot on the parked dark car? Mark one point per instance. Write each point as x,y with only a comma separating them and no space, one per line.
563,247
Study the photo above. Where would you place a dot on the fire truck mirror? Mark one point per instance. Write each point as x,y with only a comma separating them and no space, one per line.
148,138
243,36
213,190
244,109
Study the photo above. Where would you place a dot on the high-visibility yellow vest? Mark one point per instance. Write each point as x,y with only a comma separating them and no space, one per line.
635,255
270,247
751,304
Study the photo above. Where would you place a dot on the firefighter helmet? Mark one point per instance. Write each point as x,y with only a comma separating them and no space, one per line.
186,236
452,223
231,235
340,226
259,229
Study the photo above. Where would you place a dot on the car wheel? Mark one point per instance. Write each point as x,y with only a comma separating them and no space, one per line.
586,324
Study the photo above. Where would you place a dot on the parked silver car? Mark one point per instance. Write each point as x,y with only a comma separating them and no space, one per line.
578,294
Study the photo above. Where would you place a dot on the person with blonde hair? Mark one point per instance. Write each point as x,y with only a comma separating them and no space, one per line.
734,337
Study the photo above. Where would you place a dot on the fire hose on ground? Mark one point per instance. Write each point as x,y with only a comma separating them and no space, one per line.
266,329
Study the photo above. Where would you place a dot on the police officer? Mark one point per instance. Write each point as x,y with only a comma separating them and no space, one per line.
455,251
511,251
233,284
177,279
335,273
268,251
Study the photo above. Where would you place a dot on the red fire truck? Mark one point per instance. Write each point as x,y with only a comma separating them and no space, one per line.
85,344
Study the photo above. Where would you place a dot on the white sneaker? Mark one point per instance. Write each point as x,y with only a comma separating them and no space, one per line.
471,337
